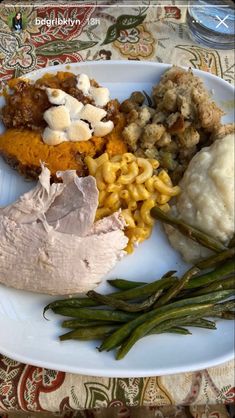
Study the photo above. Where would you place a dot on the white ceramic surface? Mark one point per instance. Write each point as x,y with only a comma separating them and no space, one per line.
27,337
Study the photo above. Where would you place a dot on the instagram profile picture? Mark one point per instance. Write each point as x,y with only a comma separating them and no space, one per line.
17,21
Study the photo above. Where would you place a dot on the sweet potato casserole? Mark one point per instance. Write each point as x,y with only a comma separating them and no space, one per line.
24,117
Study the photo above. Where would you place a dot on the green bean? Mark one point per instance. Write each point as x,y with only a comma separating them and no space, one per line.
232,242
70,302
226,315
226,305
174,330
100,332
125,330
169,273
176,288
216,259
188,230
95,314
140,292
89,333
221,271
122,305
158,320
223,284
96,330
162,322
189,321
200,323
82,323
125,284
146,290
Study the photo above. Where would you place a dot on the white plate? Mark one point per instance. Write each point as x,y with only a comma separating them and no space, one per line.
27,337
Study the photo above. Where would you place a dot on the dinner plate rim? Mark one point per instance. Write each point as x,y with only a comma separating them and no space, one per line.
69,66
108,372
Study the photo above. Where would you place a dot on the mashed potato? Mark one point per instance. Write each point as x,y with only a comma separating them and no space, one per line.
207,198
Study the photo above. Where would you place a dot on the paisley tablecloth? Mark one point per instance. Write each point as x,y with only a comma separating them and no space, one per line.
63,32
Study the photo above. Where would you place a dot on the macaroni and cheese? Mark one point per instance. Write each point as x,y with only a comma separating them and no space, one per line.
129,183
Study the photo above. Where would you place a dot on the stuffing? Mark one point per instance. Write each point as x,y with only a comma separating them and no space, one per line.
144,116
169,101
164,140
132,116
151,134
223,131
209,115
131,134
159,117
189,137
180,121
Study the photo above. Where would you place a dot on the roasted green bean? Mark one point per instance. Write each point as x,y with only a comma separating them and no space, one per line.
124,306
95,314
176,288
226,315
100,332
163,321
82,323
89,333
216,259
199,323
232,242
223,284
125,284
159,319
70,303
222,271
125,330
146,290
188,230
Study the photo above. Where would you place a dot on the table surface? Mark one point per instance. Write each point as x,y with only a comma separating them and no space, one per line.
155,34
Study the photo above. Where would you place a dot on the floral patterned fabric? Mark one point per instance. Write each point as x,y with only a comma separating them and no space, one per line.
143,32
33,389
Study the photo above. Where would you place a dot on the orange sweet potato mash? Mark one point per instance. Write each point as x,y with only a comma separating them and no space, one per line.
24,150
21,144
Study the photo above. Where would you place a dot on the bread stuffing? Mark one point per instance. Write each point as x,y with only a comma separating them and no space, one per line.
180,118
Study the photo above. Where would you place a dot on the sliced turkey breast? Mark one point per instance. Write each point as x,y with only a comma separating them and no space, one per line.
73,211
50,243
33,204
51,262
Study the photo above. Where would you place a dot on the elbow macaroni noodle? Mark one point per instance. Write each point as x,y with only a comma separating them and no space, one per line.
128,183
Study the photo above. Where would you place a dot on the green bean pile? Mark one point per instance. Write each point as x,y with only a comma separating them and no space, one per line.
169,304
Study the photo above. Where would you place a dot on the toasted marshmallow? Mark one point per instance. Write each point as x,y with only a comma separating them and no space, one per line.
71,120
51,137
57,117
103,128
83,84
100,95
92,114
79,131
74,106
59,97
56,96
